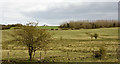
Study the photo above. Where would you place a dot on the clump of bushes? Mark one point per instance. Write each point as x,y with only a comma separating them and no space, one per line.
4,27
56,29
99,54
52,29
93,35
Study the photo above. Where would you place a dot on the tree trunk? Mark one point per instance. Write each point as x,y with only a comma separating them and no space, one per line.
30,51
34,54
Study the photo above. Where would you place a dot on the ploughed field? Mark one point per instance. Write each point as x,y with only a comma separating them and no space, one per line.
67,46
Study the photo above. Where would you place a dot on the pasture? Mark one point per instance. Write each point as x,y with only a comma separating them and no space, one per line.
47,27
67,46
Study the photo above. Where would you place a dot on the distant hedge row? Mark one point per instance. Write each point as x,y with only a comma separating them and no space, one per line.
4,27
85,24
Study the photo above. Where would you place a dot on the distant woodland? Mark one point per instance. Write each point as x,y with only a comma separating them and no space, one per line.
85,24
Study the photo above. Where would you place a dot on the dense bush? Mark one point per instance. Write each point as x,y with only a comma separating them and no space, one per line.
96,35
52,29
90,24
100,53
6,27
56,29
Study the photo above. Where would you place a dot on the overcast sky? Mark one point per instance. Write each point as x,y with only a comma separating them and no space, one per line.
55,12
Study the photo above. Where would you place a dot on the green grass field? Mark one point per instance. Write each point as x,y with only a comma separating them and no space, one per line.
47,27
76,43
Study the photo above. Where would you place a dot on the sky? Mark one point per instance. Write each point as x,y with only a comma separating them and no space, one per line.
55,12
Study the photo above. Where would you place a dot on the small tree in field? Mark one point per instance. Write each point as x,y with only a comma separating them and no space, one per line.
32,38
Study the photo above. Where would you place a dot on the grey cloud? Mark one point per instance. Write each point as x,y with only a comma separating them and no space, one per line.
60,12
99,10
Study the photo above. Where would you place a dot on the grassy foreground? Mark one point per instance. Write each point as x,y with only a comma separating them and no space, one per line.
68,46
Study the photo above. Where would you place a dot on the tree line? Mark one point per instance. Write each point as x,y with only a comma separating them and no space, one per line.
4,27
85,24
